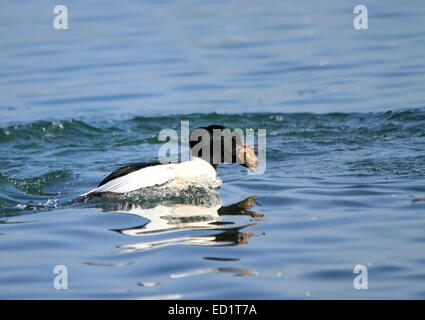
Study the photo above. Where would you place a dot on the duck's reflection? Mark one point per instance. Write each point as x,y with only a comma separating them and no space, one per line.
169,219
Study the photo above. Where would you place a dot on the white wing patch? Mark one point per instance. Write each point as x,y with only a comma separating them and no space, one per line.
146,177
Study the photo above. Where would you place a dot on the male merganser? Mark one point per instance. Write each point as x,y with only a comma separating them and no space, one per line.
214,145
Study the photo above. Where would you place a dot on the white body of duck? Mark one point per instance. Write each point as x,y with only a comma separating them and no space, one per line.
173,175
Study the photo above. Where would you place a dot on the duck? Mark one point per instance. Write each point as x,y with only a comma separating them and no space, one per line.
208,150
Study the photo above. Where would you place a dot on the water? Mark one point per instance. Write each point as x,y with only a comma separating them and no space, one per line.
345,117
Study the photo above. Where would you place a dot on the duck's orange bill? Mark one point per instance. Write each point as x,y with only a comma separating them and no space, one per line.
247,157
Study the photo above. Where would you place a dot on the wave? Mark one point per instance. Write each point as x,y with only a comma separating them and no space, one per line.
28,195
403,123
152,196
77,153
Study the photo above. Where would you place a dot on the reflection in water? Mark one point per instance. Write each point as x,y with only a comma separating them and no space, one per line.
113,265
168,219
148,284
235,271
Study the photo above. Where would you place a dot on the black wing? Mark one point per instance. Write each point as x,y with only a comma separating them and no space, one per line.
126,170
